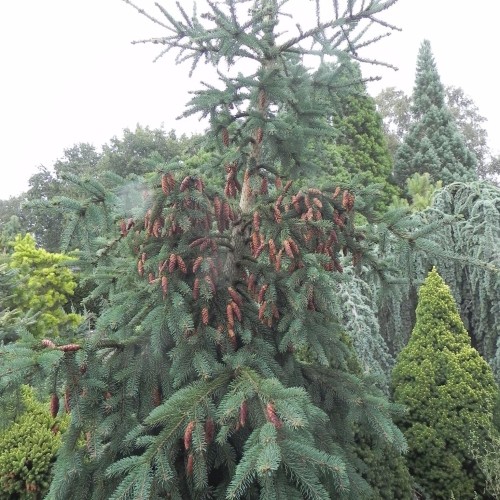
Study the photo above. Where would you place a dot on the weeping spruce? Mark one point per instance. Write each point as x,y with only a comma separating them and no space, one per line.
218,366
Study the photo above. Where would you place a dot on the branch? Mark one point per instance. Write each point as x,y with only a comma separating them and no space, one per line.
144,13
340,21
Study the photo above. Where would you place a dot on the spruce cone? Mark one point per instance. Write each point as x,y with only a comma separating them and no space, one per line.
236,310
181,264
210,283
277,215
172,263
259,135
225,137
69,347
140,268
197,242
123,228
164,185
54,405
188,435
196,289
296,204
262,100
217,207
197,263
259,250
48,343
262,309
272,251
272,417
198,184
256,222
235,296
337,219
277,265
164,286
230,316
251,283
262,292
345,198
185,183
204,316
294,246
264,186
288,249
336,192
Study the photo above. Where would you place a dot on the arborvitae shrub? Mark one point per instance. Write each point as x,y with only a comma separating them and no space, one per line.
450,393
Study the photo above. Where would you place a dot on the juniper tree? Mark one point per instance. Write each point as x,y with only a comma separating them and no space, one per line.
433,143
218,367
450,394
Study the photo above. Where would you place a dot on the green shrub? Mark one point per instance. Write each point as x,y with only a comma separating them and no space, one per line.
450,394
28,448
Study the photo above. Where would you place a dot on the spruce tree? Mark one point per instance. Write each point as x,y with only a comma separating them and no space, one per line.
450,395
218,366
433,143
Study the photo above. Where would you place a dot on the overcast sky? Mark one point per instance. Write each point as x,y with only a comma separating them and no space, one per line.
69,73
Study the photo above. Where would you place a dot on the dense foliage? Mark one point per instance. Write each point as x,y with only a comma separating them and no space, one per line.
28,449
433,143
449,392
357,153
246,293
218,364
45,286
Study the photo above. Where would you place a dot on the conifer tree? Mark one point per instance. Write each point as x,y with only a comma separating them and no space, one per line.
475,280
359,151
218,367
450,394
433,143
45,286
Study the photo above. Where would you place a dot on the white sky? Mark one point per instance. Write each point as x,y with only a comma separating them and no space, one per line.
69,74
